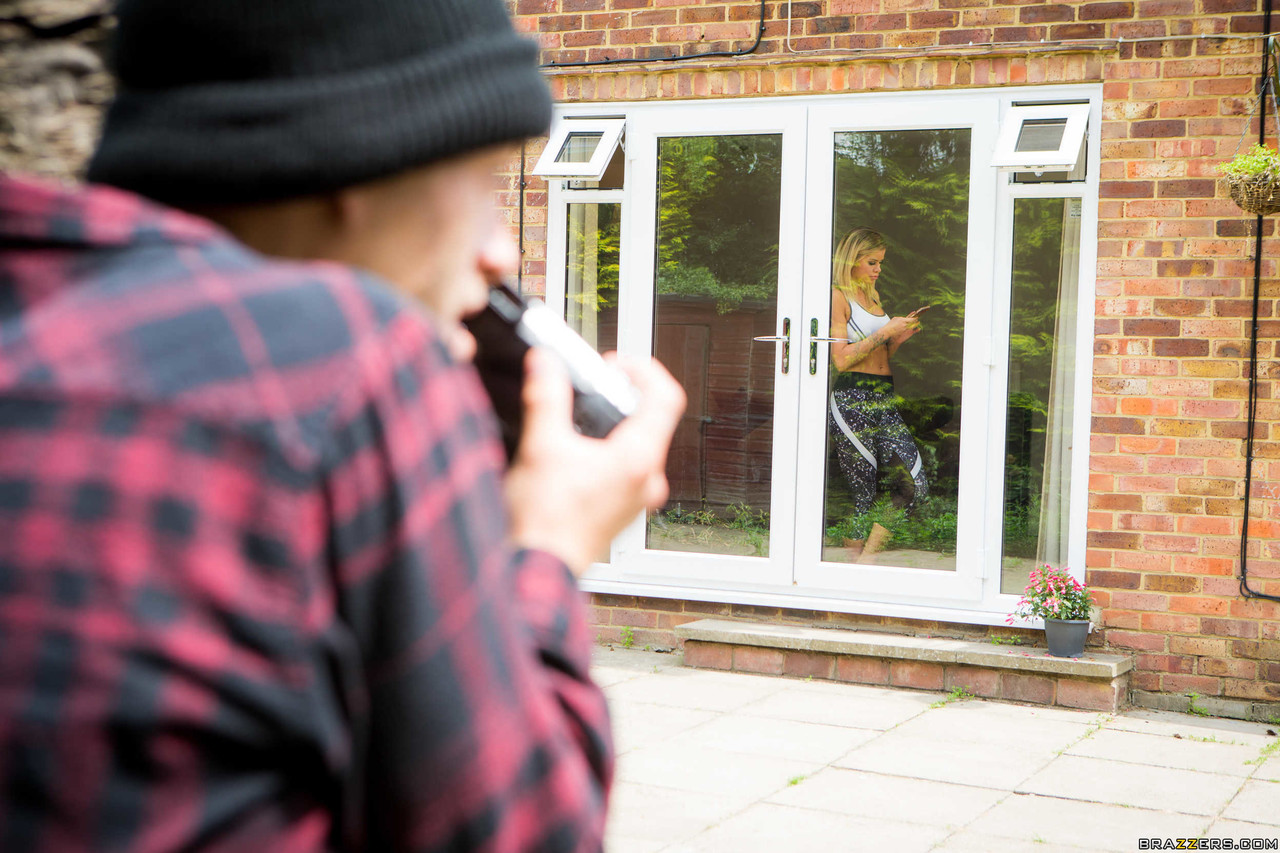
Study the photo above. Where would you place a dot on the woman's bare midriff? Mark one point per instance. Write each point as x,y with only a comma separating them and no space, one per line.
876,363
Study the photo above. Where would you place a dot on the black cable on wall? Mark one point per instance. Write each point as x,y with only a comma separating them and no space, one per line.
678,57
1266,88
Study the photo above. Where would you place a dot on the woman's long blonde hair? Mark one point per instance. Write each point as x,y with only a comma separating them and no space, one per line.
855,246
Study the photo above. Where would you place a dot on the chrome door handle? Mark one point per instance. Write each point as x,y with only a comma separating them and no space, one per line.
785,338
831,340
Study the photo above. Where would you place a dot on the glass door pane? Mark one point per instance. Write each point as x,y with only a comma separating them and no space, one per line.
716,289
592,236
899,243
1038,425
591,272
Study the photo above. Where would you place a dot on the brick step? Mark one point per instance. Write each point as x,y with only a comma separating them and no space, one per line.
1095,681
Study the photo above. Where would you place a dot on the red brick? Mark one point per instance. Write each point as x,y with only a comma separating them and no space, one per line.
1228,668
1136,640
1119,426
808,664
1114,580
1089,695
1204,685
917,674
1048,13
1103,11
1126,189
1165,663
862,670
1152,328
1230,628
976,680
1017,687
1105,539
1077,31
755,659
1180,347
1170,583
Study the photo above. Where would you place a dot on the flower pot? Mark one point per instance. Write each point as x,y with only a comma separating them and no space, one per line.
1258,195
1066,636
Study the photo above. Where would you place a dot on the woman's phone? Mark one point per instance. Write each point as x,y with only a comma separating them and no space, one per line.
504,332
921,310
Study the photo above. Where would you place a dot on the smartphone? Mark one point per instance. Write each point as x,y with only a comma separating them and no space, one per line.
505,330
921,310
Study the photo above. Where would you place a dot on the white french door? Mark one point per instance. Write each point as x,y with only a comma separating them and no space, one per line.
699,305
717,258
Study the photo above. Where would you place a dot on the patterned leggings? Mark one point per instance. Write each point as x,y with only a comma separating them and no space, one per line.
872,441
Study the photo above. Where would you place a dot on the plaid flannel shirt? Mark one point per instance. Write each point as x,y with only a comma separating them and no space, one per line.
254,586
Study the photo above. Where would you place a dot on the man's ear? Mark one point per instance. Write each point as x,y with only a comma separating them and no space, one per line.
349,210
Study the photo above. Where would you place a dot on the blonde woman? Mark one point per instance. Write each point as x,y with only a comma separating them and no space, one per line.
873,444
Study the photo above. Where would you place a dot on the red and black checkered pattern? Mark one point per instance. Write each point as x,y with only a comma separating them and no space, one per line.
254,591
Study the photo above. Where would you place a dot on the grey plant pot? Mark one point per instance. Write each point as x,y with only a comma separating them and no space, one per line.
1066,636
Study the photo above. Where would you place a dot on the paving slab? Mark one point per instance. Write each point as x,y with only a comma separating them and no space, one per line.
870,709
894,798
1188,725
966,841
1017,726
653,817
813,742
1188,752
959,762
1257,802
1239,829
1094,826
709,691
711,771
769,828
1142,786
720,761
637,724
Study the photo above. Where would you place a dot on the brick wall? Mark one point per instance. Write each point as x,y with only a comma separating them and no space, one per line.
1174,277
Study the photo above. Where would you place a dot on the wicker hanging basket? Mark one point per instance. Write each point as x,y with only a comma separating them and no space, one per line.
1257,194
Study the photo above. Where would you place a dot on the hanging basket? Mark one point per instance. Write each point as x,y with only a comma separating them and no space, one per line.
1259,195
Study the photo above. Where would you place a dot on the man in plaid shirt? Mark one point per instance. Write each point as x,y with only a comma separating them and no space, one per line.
264,585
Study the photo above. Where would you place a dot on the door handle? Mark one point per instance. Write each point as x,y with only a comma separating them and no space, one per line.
785,337
813,346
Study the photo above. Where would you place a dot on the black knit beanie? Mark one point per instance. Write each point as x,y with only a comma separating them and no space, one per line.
250,100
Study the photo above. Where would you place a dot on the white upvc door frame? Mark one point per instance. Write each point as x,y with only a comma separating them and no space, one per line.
631,560
793,575
889,583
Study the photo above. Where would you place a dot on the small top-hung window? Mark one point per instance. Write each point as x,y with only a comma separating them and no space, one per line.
1042,138
580,149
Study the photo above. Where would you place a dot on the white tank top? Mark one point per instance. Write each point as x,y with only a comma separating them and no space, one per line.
862,323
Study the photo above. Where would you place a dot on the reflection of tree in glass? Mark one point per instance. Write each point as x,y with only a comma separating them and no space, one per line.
716,197
603,234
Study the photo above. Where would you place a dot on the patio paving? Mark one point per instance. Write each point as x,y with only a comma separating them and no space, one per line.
714,761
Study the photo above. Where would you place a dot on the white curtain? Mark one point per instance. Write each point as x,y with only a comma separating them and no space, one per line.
1055,493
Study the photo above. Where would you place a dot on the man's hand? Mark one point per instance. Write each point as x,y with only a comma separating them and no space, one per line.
571,495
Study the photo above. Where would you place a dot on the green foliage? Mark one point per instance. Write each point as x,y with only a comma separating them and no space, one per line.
718,209
931,527
1007,640
1193,708
628,637
1267,751
957,694
1256,162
